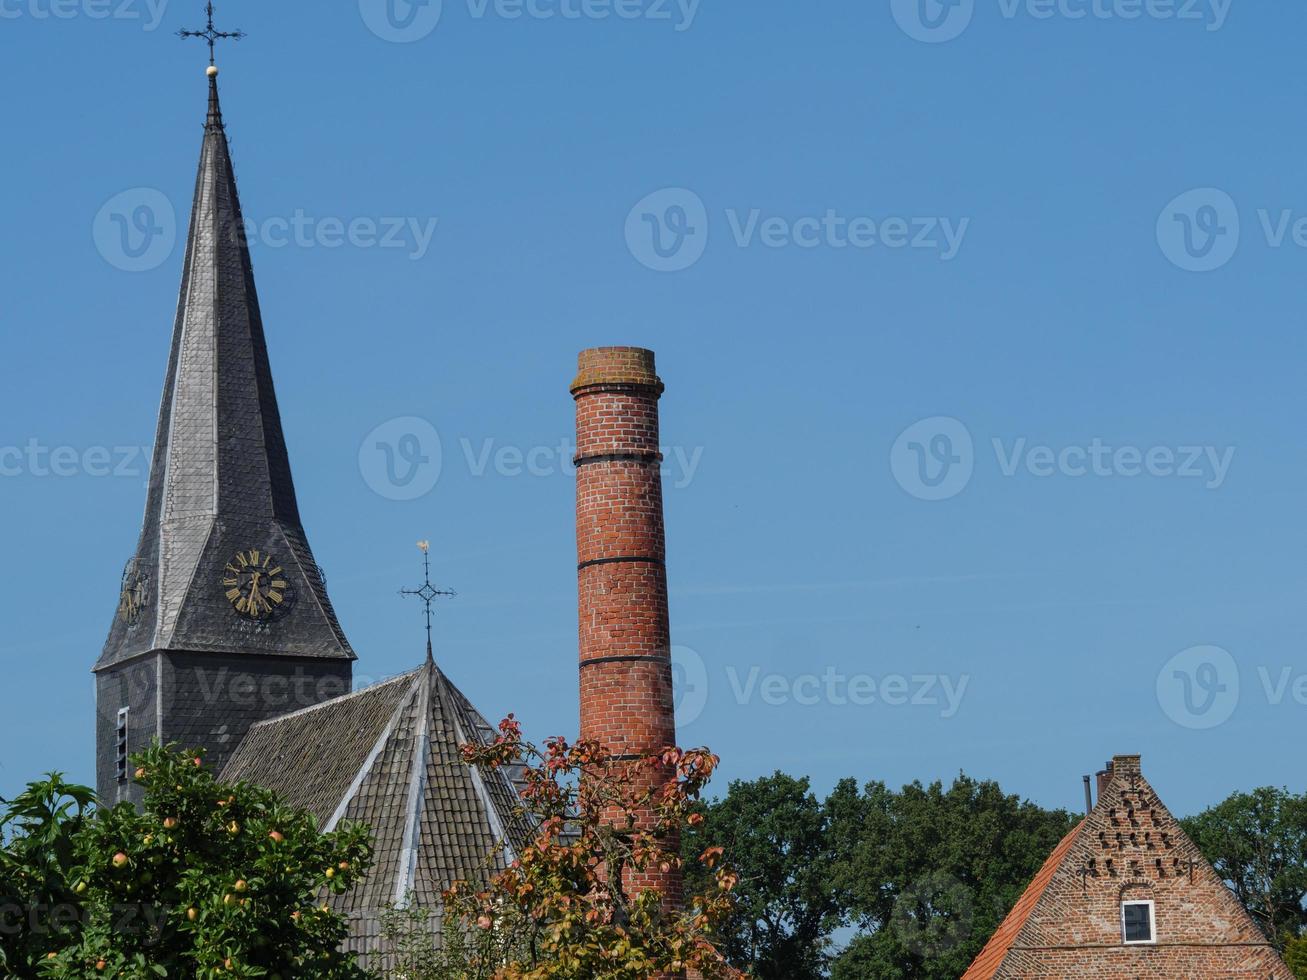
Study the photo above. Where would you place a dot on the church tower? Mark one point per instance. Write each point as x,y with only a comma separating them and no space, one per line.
223,619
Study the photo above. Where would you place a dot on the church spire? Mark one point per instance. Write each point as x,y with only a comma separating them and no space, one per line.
223,564
214,120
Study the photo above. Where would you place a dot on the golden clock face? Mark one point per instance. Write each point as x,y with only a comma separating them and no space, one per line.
134,595
254,585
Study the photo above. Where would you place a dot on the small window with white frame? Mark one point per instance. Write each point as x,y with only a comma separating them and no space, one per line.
1138,923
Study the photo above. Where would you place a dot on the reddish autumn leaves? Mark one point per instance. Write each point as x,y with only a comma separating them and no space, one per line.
572,902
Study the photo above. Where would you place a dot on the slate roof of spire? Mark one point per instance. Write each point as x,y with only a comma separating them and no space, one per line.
388,756
220,480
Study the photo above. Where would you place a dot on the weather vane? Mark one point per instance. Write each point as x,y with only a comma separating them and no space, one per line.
211,35
428,593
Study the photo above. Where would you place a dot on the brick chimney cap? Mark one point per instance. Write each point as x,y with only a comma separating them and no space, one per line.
617,366
1127,764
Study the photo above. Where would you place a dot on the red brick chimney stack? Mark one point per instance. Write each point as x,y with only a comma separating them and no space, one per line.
625,640
1104,779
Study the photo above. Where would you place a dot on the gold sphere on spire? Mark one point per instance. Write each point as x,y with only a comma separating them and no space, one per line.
212,71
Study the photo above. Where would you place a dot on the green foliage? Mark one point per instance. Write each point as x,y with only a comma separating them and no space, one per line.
787,901
1295,955
207,881
39,909
934,871
419,952
1258,843
928,873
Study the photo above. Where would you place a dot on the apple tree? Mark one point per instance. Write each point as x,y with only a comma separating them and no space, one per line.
207,881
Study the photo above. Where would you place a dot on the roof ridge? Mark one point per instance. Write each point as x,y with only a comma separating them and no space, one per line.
987,962
334,701
417,788
463,707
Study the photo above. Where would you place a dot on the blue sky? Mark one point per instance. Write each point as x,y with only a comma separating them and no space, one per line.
980,326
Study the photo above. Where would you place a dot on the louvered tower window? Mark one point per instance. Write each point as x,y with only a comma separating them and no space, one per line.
121,744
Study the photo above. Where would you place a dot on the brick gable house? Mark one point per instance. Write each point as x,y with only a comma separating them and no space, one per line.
1127,894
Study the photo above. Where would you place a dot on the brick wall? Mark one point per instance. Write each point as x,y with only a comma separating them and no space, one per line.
1132,849
625,642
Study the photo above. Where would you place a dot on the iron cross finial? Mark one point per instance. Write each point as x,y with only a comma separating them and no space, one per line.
211,35
428,593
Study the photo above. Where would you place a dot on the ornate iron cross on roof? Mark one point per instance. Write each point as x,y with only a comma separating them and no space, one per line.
428,593
211,35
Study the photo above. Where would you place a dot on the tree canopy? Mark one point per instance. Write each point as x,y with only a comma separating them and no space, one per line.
1258,843
206,881
925,874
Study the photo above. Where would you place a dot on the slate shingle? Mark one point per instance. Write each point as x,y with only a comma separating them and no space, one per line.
220,479
389,756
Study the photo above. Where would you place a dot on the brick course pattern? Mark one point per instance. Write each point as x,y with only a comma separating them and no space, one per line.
1130,848
625,640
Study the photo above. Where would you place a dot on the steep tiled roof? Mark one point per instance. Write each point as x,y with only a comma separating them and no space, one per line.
389,757
1128,848
995,952
220,480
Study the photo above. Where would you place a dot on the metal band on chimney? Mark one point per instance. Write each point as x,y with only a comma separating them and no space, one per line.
630,658
622,560
618,458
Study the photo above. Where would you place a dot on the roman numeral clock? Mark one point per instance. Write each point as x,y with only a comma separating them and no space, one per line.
255,587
